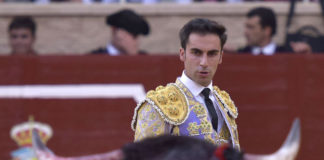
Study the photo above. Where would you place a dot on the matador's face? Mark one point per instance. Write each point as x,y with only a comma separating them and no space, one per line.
201,57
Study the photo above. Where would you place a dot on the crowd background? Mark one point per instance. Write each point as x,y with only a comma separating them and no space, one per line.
77,28
269,91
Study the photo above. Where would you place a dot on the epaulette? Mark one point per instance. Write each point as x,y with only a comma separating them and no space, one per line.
169,101
227,101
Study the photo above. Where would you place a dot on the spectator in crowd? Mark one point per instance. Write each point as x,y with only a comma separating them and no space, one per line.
136,1
39,1
260,27
22,35
126,26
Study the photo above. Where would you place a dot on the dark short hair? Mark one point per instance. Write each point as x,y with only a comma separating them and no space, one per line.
202,26
130,21
23,22
267,18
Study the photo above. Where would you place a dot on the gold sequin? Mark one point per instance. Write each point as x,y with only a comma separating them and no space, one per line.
176,131
173,110
199,110
193,129
171,103
162,100
173,97
159,88
205,127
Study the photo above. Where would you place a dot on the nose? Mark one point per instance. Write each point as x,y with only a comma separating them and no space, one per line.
204,60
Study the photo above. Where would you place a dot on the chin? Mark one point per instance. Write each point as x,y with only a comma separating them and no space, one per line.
204,83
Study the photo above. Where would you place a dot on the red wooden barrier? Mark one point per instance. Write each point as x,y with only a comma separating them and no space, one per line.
268,91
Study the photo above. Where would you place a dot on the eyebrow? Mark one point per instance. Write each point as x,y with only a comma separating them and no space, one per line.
214,50
196,49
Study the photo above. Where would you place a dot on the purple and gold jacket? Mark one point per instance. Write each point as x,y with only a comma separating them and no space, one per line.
172,109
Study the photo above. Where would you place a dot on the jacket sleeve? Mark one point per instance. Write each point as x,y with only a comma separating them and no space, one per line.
150,123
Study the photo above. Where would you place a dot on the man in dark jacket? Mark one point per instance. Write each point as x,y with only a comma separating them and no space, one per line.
260,27
126,26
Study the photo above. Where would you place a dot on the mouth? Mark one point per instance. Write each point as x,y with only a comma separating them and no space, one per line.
203,73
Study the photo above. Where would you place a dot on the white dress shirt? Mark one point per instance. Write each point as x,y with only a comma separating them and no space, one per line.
112,50
267,50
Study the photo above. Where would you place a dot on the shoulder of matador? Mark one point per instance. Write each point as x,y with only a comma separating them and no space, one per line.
226,101
170,102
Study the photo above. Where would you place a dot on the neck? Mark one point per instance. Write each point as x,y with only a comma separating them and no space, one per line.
265,42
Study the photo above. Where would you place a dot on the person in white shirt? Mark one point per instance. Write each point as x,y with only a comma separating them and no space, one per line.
192,106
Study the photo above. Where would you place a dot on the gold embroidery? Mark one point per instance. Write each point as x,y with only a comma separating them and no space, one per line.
173,97
150,93
193,129
170,102
199,110
161,100
224,134
191,102
143,125
173,110
225,98
176,131
206,127
184,88
231,121
149,123
159,88
152,116
209,138
229,117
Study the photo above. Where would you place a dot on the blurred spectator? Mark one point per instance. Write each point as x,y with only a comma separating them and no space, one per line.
135,1
27,1
22,35
260,27
39,1
126,26
119,1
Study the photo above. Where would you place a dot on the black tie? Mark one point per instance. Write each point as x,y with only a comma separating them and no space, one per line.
210,107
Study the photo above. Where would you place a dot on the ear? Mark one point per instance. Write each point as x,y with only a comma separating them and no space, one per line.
221,57
268,31
182,54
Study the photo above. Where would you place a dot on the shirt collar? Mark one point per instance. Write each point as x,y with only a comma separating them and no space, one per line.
266,50
193,87
112,50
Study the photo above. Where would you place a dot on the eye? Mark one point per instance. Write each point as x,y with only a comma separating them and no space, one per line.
13,36
196,52
24,36
212,53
